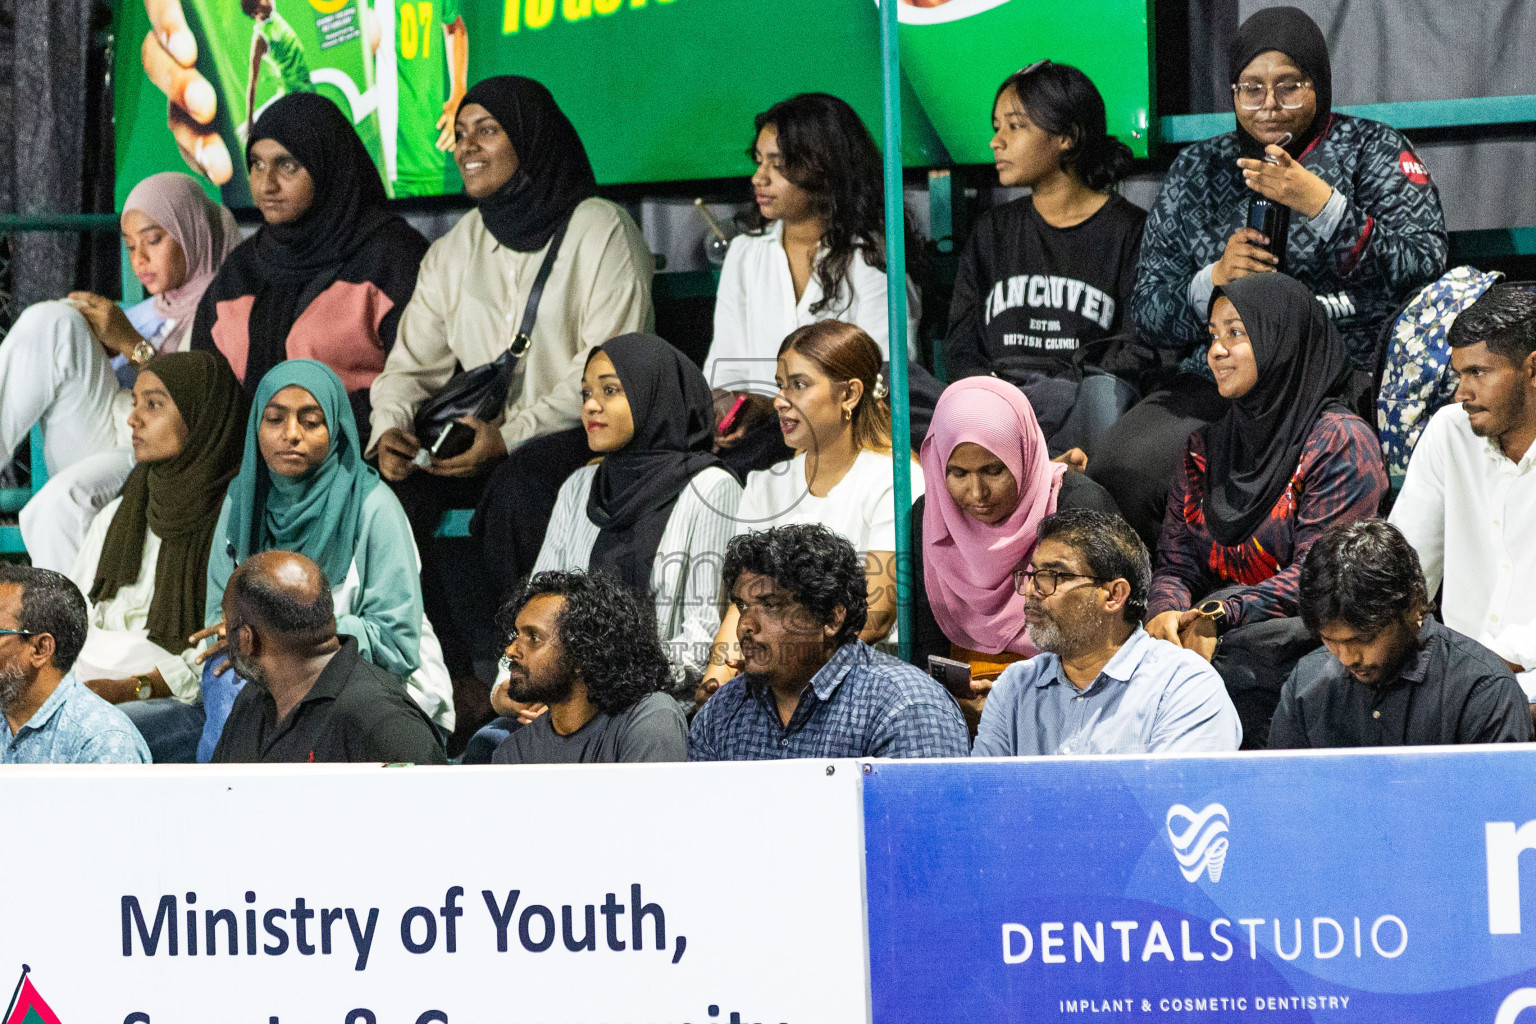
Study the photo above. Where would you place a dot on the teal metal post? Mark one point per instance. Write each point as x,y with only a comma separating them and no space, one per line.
896,293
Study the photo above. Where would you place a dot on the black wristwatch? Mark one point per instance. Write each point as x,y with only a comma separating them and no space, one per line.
1216,611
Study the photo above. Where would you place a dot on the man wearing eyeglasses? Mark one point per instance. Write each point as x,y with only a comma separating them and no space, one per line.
1101,685
47,716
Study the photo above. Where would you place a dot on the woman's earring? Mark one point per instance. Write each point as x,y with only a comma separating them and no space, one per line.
847,415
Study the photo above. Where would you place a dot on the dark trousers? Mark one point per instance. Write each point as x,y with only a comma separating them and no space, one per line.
465,579
513,512
1255,660
454,591
1135,459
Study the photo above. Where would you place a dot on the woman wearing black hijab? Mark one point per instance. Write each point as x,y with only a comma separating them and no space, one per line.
526,169
655,513
1287,460
1366,231
329,273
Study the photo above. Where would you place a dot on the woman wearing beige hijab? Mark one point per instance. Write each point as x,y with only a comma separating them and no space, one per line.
68,365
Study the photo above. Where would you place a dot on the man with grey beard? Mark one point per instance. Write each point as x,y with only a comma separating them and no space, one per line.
1101,684
47,716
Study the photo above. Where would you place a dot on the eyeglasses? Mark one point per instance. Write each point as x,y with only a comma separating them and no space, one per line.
1046,580
18,632
1289,94
1036,66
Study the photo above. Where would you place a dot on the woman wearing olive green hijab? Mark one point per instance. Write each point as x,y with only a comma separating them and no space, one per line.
144,560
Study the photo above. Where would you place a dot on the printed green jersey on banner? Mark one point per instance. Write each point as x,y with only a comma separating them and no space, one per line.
421,69
660,90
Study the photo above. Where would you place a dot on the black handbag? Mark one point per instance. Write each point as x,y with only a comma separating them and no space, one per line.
481,392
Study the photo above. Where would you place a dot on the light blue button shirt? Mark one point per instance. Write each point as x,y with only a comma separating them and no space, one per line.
1152,697
74,726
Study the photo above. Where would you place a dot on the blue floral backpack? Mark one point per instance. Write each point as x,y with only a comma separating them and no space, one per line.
1416,376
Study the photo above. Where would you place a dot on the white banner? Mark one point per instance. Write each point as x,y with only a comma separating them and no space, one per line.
666,894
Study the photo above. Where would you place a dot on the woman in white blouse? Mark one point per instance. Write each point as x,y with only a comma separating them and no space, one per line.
832,411
815,250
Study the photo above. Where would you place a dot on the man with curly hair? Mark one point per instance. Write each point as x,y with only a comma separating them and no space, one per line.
585,648
807,685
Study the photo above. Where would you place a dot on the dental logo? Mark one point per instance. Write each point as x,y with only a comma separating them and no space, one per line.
1199,840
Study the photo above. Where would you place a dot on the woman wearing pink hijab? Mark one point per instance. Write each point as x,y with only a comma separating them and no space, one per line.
69,365
991,481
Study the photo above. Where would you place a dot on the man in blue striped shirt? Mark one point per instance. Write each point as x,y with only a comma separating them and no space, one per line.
808,686
1102,685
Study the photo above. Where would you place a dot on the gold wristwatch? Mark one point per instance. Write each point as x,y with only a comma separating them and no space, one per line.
146,688
1216,611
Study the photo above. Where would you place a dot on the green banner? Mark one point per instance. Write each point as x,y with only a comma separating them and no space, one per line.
660,90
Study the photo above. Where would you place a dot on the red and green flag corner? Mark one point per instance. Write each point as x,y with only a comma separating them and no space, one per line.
29,1006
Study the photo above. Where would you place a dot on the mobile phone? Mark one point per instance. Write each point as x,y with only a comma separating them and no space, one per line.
728,421
954,675
455,440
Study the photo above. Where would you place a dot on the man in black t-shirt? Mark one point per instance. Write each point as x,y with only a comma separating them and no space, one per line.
586,673
309,696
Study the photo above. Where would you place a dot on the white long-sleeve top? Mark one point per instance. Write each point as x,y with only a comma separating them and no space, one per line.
755,309
469,301
1469,512
117,643
685,578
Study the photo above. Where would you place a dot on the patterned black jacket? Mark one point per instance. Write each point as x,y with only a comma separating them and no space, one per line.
1390,241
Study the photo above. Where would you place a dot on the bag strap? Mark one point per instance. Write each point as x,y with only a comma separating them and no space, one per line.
507,362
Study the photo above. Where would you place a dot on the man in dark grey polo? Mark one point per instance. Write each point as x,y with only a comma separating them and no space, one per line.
1388,673
585,665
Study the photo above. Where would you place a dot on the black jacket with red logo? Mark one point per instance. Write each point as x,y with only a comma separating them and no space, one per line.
1390,241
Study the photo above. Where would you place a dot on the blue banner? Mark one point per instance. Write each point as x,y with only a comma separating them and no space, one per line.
1348,886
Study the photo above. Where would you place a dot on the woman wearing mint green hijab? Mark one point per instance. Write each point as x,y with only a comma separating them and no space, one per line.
303,487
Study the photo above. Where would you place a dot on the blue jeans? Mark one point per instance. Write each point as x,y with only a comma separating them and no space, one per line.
485,741
169,727
220,688
1101,399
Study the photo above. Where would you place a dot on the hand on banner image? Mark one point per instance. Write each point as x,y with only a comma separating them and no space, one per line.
487,445
505,705
1187,629
445,121
1282,179
169,55
219,645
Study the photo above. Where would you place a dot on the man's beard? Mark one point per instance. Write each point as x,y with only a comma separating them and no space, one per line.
522,688
1046,633
247,670
13,683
